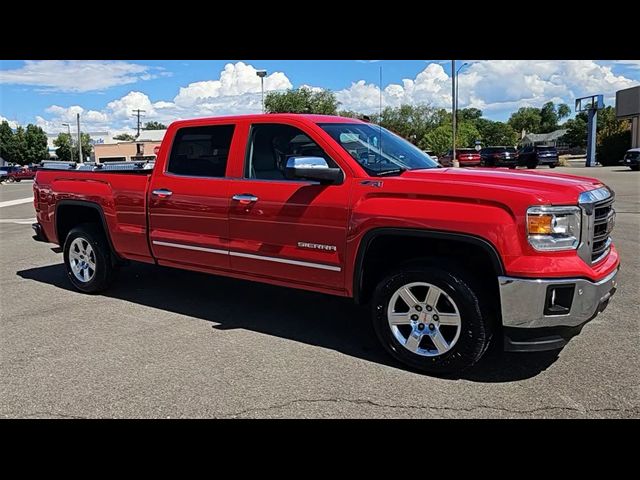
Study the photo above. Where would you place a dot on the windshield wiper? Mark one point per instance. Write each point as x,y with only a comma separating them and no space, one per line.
395,171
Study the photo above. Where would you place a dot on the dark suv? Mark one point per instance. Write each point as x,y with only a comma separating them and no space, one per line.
532,156
632,159
499,157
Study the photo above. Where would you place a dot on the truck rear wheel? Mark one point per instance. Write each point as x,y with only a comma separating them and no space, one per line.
87,258
430,319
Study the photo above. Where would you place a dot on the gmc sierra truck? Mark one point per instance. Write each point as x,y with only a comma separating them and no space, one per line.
447,258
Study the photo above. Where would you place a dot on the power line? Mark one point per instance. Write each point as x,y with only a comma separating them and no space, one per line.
137,113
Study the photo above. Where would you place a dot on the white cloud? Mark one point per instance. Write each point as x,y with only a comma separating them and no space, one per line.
78,75
493,85
12,123
235,79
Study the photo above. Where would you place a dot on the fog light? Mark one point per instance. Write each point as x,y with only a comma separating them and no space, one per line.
559,299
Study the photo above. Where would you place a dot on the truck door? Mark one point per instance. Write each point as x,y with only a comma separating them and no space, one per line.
287,229
189,200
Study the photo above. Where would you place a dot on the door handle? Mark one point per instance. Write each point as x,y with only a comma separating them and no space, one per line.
162,193
245,198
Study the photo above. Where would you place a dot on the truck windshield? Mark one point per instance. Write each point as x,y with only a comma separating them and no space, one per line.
379,151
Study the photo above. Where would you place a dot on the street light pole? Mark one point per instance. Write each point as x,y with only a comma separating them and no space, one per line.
458,85
454,161
454,92
262,74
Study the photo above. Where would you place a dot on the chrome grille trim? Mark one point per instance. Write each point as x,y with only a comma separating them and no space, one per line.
598,218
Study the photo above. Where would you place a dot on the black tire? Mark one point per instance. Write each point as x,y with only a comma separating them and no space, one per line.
11,180
635,168
104,264
553,165
476,329
531,165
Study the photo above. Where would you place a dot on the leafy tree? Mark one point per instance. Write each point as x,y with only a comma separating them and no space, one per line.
563,111
550,114
576,135
153,126
16,151
439,139
496,133
68,153
526,118
350,114
411,122
6,139
35,147
125,137
301,100
469,114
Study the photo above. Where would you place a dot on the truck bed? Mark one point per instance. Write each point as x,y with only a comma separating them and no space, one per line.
119,190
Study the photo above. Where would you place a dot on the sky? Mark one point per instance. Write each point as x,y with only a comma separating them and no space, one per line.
49,93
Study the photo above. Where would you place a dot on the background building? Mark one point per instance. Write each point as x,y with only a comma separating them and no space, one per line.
628,107
144,147
96,138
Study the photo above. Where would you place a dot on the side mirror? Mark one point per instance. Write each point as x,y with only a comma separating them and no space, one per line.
312,168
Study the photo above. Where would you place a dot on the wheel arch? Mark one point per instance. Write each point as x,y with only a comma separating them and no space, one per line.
63,227
360,290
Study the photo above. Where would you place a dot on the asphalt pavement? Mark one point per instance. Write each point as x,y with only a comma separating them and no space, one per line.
165,343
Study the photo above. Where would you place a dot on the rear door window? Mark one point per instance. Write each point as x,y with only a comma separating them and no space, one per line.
201,151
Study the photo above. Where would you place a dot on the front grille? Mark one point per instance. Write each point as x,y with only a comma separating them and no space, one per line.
603,222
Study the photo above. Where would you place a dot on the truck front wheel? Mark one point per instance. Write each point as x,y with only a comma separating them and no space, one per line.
430,319
87,258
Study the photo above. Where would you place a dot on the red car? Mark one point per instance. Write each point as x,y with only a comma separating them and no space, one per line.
468,157
15,174
446,258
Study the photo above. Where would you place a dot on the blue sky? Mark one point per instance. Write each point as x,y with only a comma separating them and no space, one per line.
49,93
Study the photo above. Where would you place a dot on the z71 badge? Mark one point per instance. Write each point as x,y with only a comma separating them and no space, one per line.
317,246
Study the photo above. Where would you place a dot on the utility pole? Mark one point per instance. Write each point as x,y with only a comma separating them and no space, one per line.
79,139
262,74
454,161
137,113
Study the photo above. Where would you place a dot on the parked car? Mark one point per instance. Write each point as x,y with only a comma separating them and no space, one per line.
448,259
632,159
499,157
532,156
467,157
432,154
16,173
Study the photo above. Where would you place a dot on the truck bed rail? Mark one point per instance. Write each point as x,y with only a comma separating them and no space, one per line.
110,167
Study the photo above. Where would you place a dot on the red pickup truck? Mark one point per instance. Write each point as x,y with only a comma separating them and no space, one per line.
447,258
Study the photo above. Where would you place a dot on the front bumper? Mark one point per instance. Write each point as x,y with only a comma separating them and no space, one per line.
531,325
525,301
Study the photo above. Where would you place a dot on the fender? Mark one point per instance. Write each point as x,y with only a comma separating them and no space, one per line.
372,234
95,206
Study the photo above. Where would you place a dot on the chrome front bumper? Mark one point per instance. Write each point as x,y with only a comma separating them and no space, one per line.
525,302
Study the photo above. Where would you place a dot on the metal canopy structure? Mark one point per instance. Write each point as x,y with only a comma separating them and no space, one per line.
591,105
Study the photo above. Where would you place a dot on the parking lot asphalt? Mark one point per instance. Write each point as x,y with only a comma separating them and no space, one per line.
165,343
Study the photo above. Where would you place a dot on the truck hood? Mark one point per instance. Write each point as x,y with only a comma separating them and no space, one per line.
541,187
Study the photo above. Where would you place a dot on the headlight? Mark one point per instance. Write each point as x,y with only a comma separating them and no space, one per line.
553,228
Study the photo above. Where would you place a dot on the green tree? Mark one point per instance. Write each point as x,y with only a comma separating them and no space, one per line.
576,135
439,139
153,126
35,148
526,118
411,122
302,100
551,114
16,149
6,139
496,133
68,153
469,115
125,137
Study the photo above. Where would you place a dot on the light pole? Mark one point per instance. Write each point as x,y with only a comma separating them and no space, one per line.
458,84
262,74
454,107
70,140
